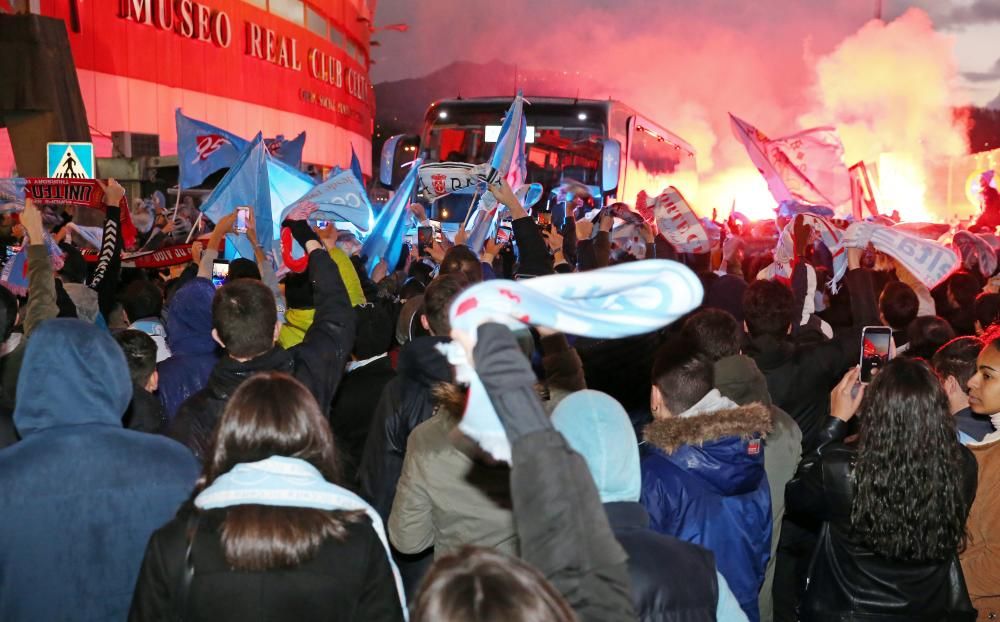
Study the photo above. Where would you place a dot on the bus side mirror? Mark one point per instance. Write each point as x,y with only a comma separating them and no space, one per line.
611,156
388,161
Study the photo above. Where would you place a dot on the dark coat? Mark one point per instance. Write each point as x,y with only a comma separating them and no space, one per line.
847,580
347,580
317,362
405,403
685,589
703,481
193,352
353,410
79,495
145,412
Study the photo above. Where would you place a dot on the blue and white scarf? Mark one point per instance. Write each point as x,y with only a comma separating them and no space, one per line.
619,301
291,482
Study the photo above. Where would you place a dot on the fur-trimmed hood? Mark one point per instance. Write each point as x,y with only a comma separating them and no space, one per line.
723,447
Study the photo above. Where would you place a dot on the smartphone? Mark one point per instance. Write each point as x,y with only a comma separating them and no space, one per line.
425,236
220,272
13,250
242,217
545,221
322,224
504,235
875,344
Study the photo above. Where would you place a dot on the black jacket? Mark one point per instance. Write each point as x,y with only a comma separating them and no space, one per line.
801,372
560,521
348,580
353,410
847,580
317,362
145,412
405,403
685,589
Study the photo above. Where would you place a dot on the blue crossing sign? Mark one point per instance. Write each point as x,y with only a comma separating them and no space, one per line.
72,160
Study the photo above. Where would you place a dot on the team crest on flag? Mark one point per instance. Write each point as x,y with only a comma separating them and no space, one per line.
207,144
437,181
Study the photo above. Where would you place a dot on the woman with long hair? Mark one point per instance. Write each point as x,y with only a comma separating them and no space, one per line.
268,535
893,500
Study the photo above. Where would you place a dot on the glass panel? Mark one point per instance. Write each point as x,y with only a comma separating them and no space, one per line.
315,22
292,10
258,3
336,36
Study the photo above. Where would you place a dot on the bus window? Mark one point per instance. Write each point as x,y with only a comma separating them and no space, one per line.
654,162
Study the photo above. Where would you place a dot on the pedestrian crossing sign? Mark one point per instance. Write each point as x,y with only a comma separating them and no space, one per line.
72,160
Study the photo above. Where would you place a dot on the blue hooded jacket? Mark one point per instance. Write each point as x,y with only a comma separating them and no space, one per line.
193,351
79,495
703,481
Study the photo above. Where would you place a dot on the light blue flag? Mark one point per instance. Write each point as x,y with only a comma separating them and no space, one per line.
203,149
509,148
12,194
288,151
246,183
340,198
356,166
385,242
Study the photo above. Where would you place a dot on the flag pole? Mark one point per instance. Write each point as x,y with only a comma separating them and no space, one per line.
194,227
468,212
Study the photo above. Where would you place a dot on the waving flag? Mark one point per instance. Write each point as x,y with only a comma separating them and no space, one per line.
385,242
246,183
203,149
508,157
356,167
807,167
483,222
12,194
288,151
340,198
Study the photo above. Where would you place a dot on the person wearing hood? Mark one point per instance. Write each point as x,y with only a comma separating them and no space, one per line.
73,275
703,476
193,352
597,427
301,309
77,494
717,336
245,323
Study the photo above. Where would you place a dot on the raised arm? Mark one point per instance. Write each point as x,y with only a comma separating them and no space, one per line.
41,281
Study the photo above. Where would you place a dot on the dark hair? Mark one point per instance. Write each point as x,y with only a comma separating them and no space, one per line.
957,358
906,407
898,304
298,290
681,374
142,299
420,271
460,258
768,308
438,298
74,268
926,334
987,309
991,338
241,268
273,414
244,314
140,354
714,332
412,286
8,312
481,585
964,287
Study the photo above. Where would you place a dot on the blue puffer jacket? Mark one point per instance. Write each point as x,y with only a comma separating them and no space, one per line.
79,495
703,481
193,351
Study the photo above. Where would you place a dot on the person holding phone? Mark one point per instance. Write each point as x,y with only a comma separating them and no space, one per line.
893,523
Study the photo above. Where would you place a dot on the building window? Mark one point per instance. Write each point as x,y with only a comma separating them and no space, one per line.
315,22
336,36
258,3
292,10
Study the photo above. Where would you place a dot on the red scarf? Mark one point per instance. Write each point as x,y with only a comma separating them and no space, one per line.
86,192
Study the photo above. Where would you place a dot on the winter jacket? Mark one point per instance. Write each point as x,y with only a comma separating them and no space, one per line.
193,351
447,498
847,580
703,481
353,409
981,557
738,378
974,426
144,412
800,373
318,362
598,428
79,495
85,299
349,579
406,403
561,524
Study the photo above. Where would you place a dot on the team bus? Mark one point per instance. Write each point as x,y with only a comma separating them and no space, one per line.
603,144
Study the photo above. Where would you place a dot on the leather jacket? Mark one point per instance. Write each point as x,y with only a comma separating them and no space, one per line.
849,581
